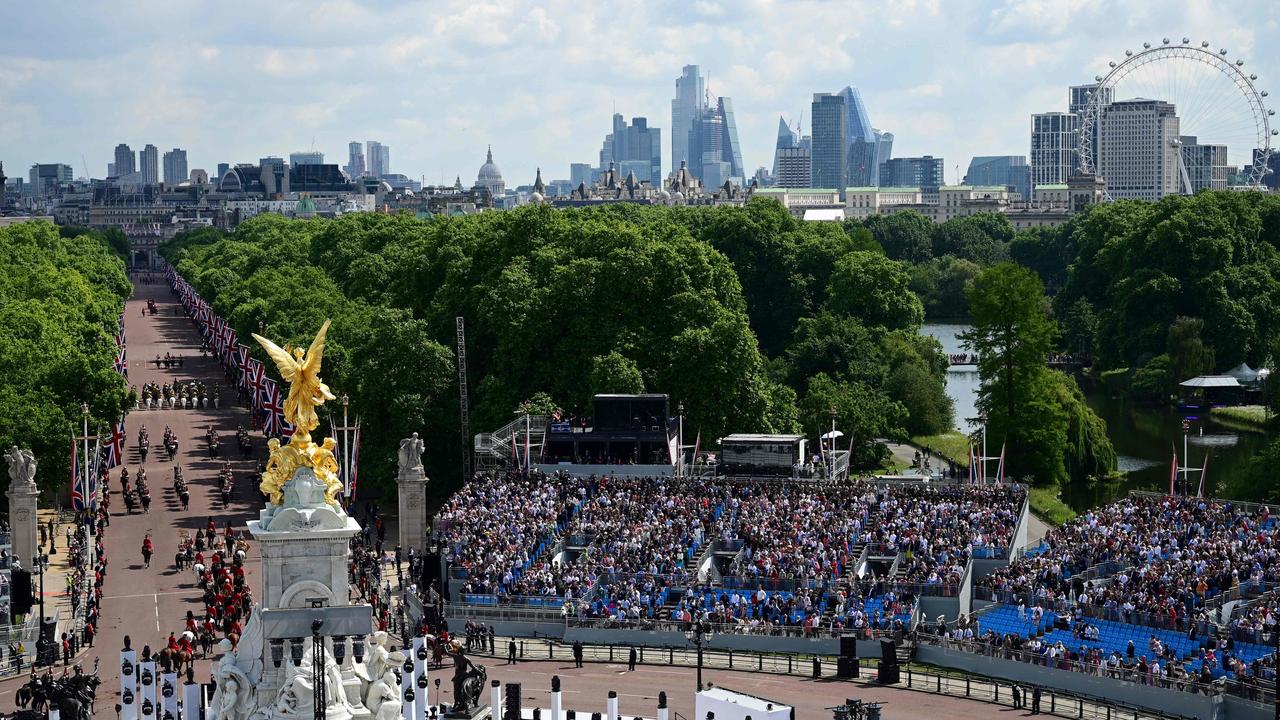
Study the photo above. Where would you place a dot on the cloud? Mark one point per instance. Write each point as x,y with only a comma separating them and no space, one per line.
539,80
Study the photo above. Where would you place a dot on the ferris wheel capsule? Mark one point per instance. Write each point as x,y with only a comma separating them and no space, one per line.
1253,77
1222,52
1239,63
1128,53
1204,44
1186,40
1097,78
1146,46
1112,63
1165,41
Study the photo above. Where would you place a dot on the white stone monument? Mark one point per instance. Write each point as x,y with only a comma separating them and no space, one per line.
411,482
22,496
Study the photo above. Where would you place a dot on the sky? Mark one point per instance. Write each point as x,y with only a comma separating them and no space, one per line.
440,81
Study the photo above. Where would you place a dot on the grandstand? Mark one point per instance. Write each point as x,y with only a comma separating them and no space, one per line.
1148,591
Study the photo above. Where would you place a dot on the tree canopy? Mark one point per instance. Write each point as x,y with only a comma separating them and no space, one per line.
731,310
60,302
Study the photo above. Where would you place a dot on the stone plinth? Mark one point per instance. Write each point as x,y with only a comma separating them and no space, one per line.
412,486
23,521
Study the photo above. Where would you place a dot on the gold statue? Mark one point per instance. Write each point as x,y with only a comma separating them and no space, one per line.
306,392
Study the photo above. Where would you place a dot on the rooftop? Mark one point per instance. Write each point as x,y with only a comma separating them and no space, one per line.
1052,186
785,191
883,189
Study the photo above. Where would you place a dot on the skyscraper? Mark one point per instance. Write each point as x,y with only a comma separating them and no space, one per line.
1053,147
377,158
634,148
922,172
580,174
222,170
1139,150
308,157
175,166
686,109
827,167
355,160
149,162
787,139
126,162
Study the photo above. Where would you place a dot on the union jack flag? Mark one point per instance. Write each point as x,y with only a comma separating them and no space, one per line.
272,410
115,445
77,491
242,362
121,365
257,378
120,332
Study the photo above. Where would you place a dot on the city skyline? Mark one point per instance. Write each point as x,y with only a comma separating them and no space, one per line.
519,78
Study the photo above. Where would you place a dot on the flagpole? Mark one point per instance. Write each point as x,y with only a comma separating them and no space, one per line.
1186,459
346,447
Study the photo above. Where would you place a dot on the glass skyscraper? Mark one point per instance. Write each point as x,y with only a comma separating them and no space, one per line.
827,164
635,147
704,135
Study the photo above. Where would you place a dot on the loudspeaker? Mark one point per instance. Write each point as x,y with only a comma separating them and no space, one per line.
846,667
23,598
848,646
889,653
511,702
888,674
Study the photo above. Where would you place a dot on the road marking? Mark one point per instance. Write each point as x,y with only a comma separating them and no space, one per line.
153,595
156,597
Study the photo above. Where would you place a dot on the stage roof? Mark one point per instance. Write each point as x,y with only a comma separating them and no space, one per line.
1204,382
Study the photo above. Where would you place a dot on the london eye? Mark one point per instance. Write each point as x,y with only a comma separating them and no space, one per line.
1224,130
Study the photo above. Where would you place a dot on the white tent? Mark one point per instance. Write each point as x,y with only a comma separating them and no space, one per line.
1243,373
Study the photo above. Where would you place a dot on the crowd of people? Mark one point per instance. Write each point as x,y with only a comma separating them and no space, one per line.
1162,560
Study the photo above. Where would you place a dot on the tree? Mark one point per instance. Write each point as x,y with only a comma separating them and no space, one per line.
1080,328
905,236
615,373
862,414
875,290
981,238
1188,355
1012,335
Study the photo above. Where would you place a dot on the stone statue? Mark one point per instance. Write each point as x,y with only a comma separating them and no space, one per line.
376,664
295,700
22,467
238,673
383,698
411,455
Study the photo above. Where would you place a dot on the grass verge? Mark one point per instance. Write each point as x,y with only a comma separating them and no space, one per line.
1046,503
953,446
1254,416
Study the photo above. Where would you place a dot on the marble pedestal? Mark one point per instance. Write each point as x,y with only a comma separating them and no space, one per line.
411,484
23,521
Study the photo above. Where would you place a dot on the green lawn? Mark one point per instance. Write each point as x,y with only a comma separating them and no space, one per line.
953,446
1046,503
1251,415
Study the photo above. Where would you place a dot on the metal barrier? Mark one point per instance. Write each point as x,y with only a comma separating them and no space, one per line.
914,678
1263,693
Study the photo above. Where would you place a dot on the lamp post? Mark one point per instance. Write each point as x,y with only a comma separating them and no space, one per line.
699,633
46,648
319,691
831,445
1186,461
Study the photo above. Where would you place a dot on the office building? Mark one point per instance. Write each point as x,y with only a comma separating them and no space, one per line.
827,162
1206,165
1138,149
355,160
1005,170
149,164
704,135
47,178
686,109
222,170
1054,138
126,162
634,148
925,173
793,167
581,174
309,157
111,169
175,166
377,158
787,139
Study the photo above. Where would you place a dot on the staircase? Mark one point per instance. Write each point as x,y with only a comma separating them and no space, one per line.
508,442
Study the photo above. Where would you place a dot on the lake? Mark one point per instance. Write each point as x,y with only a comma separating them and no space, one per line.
1143,435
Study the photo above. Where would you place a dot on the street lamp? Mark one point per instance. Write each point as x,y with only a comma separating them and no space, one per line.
699,633
46,648
680,440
